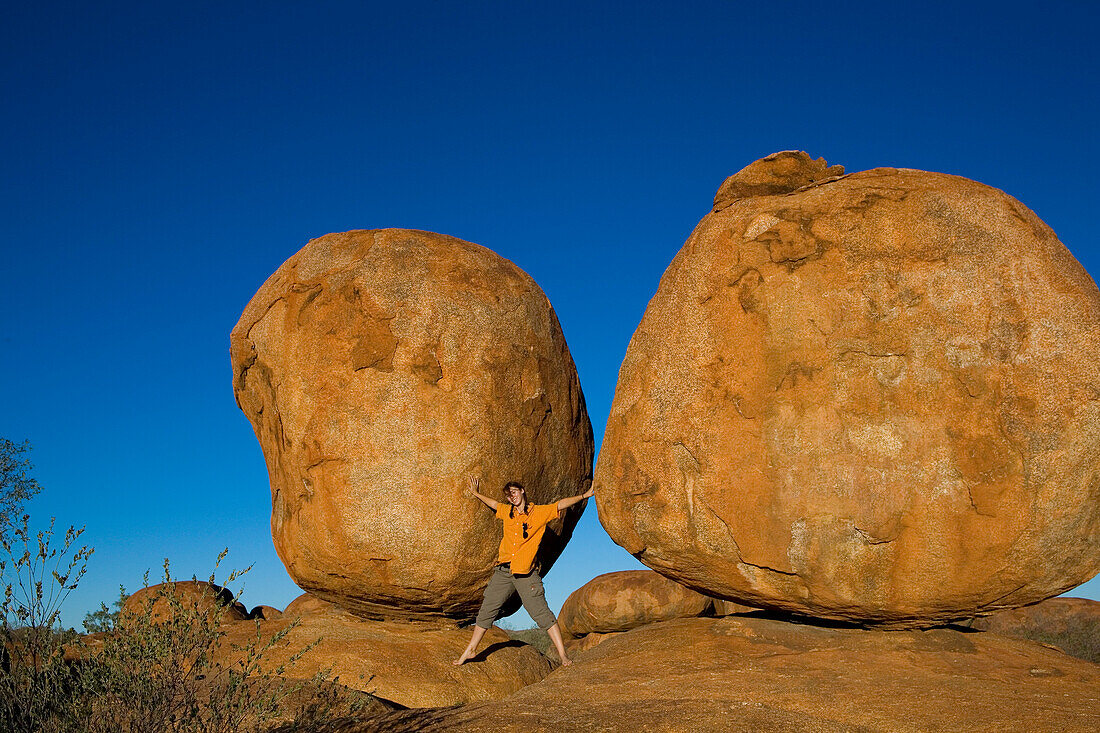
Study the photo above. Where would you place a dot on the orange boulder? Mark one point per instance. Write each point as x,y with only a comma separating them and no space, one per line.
266,613
627,599
379,370
870,397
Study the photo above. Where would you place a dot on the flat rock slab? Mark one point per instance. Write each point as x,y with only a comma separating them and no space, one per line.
745,673
405,663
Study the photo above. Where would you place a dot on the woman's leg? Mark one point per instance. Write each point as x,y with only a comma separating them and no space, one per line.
472,647
499,590
533,596
555,636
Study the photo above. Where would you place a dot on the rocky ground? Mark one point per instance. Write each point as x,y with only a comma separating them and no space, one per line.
754,673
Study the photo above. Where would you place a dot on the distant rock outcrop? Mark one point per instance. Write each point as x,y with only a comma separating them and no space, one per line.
381,368
162,601
746,674
872,396
625,600
1071,624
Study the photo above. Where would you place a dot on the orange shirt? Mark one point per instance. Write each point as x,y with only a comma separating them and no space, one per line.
516,549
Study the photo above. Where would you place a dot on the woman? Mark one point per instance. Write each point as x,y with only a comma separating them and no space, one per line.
517,569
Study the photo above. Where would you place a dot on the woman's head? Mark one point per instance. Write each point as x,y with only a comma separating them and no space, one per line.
515,493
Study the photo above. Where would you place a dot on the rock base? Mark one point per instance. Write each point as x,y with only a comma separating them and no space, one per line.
744,673
404,663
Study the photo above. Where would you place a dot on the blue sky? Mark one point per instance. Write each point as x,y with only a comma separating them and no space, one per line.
160,160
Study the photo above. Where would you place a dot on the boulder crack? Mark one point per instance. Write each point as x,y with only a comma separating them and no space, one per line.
874,354
872,539
272,304
974,506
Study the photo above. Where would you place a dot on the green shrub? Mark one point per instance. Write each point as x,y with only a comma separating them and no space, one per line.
157,671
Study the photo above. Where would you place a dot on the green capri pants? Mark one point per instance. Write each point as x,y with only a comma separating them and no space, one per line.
502,585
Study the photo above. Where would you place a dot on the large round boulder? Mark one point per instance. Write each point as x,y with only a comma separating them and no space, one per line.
380,369
626,599
872,396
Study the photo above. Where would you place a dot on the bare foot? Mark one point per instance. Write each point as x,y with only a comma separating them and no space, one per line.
462,660
566,662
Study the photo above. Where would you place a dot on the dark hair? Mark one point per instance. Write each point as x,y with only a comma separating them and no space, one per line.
513,485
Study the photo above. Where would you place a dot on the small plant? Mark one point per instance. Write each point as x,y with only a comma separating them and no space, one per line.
36,679
536,637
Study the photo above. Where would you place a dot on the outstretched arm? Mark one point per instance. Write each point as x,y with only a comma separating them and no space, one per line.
571,500
471,489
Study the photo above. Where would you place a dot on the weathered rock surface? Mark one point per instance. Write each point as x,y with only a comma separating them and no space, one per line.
405,663
627,599
1072,624
872,397
192,596
381,368
757,674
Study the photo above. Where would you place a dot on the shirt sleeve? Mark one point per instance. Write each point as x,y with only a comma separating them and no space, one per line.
502,510
550,512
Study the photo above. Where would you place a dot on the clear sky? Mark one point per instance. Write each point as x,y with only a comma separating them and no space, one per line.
160,160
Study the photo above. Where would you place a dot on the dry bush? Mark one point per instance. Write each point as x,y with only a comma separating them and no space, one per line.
155,673
535,637
37,682
1080,639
